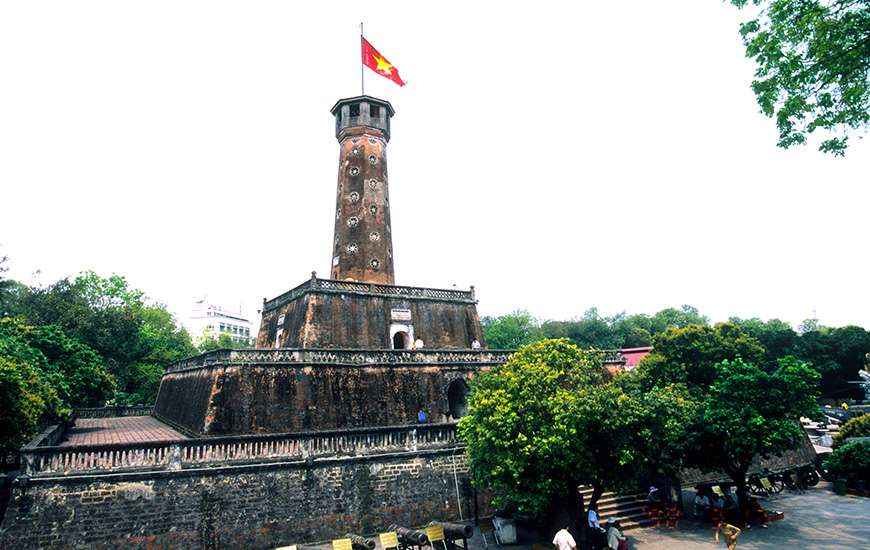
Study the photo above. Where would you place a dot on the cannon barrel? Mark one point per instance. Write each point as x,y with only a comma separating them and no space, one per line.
455,531
361,543
409,536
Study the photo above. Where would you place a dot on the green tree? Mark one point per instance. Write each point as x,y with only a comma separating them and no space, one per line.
82,379
75,371
549,420
676,318
837,354
632,331
591,331
749,412
777,337
510,331
856,427
131,334
223,341
689,355
26,400
28,387
813,60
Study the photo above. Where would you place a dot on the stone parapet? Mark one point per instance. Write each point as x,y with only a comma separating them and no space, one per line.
234,450
110,412
338,357
330,286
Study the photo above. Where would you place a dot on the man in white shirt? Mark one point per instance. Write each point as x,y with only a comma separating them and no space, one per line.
564,541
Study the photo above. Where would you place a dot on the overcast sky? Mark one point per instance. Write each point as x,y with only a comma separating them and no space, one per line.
558,157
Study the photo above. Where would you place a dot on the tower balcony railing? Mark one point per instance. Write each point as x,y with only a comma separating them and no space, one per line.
351,357
331,285
348,357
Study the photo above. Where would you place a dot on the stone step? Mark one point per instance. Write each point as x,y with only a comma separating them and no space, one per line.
636,508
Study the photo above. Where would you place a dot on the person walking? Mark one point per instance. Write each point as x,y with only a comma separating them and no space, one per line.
564,541
729,532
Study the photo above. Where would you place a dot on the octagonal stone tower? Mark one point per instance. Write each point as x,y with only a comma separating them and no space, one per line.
363,244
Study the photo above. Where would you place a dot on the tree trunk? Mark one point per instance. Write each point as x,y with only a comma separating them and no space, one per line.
742,490
588,534
564,511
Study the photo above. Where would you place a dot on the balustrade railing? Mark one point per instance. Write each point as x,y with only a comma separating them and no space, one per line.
342,357
356,357
368,288
120,410
222,451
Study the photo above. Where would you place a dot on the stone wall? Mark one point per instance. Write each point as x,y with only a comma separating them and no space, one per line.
340,314
227,399
261,506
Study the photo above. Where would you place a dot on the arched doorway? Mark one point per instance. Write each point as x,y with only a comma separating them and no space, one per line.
457,398
400,340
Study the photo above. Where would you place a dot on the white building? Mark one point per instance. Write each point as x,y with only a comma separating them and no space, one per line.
210,321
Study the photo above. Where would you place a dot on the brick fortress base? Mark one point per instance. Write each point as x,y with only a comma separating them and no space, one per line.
239,506
285,390
335,354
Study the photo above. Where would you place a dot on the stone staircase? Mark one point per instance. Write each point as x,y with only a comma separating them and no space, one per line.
628,509
820,433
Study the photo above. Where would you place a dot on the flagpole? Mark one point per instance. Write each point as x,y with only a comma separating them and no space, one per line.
362,68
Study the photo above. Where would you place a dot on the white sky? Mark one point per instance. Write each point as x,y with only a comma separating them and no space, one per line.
558,157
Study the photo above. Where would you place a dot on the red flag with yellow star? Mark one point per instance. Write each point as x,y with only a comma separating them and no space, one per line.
372,59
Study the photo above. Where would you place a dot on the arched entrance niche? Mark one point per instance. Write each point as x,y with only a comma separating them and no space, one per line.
401,336
457,398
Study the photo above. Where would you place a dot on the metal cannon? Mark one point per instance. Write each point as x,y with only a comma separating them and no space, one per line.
455,531
360,543
409,536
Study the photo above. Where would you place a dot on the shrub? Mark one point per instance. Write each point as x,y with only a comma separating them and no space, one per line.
857,427
850,460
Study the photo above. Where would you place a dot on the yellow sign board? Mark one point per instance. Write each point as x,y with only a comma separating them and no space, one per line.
287,548
342,544
435,533
389,540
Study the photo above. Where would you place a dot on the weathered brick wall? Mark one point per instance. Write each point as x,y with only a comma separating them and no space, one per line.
242,399
359,321
184,398
253,507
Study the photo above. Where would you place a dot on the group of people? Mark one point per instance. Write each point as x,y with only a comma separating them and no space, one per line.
608,537
724,506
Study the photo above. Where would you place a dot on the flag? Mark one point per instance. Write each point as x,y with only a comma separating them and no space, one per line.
372,59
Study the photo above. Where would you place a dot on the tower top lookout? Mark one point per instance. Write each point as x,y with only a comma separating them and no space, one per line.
362,110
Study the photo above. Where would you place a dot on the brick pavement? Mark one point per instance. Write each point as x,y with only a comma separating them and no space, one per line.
126,429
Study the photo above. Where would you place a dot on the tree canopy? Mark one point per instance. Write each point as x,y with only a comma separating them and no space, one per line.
79,342
551,419
510,331
813,61
134,337
689,355
836,353
750,412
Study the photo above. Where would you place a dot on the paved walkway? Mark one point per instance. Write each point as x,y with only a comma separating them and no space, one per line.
125,429
816,520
